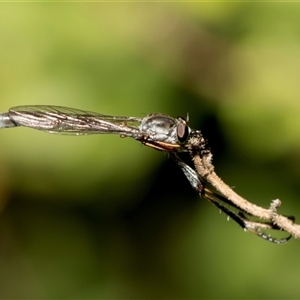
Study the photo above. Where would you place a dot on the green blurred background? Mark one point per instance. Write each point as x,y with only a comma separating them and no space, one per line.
104,217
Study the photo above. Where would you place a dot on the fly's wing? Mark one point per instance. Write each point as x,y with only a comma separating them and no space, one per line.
64,120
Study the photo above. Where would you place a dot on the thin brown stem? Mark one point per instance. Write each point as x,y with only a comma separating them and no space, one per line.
205,169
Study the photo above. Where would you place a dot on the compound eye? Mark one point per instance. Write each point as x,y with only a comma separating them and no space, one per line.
183,130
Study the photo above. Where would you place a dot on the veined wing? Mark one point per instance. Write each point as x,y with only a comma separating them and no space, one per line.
64,120
155,130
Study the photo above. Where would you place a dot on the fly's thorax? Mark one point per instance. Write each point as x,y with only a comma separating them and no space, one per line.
163,128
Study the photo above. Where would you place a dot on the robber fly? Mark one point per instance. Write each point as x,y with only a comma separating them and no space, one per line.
156,130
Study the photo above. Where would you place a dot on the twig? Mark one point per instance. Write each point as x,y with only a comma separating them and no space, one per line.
205,169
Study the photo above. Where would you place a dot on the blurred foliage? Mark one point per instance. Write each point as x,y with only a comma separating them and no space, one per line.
104,217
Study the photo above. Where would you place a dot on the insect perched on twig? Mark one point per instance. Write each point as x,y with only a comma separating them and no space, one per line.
164,133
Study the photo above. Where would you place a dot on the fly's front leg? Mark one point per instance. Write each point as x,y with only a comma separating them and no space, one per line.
157,144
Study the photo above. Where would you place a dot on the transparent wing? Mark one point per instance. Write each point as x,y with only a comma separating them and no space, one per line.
64,120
